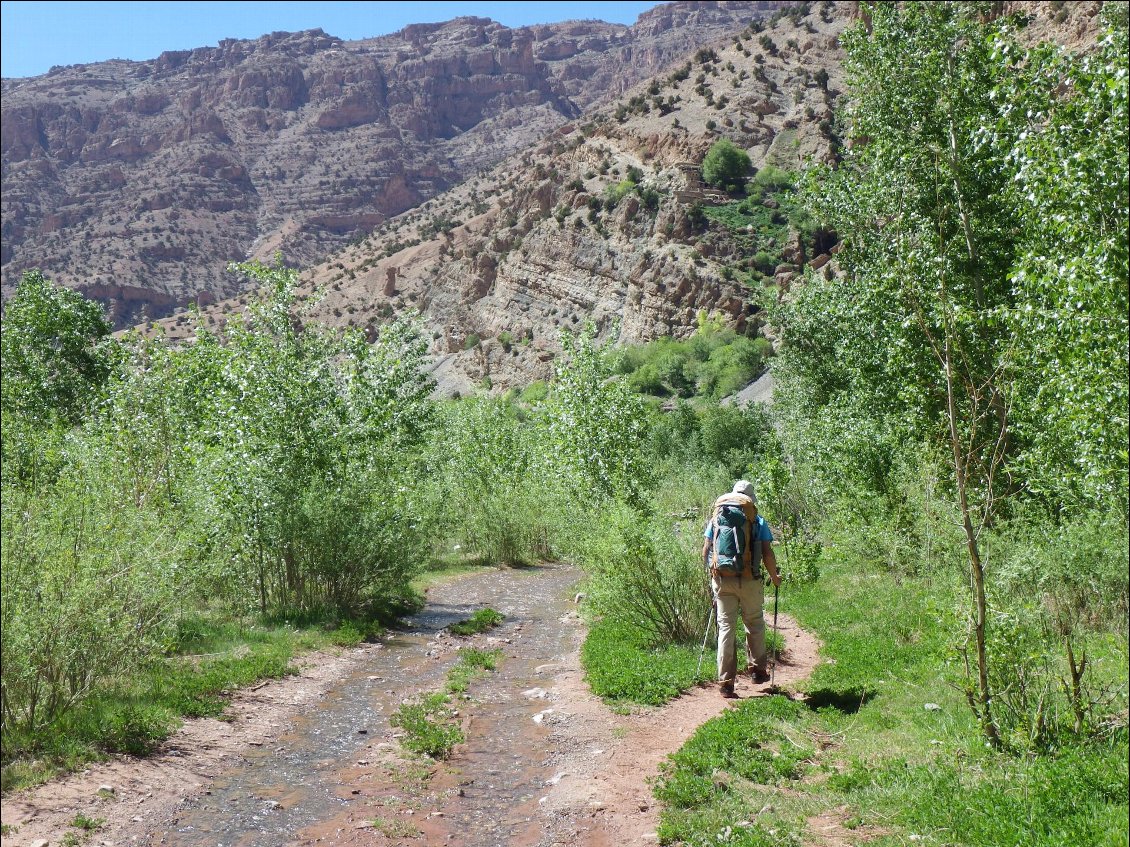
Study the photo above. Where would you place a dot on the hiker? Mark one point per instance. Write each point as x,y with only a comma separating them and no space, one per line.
737,542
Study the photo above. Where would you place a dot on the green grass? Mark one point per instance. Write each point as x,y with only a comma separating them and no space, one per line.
1077,797
864,748
81,821
429,726
769,231
473,663
396,828
715,779
480,621
620,664
429,721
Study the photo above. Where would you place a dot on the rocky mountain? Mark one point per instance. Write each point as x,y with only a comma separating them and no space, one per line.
607,220
138,181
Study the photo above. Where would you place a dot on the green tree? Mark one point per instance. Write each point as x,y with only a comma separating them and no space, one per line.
1062,132
985,230
488,462
597,426
289,447
910,346
726,165
54,361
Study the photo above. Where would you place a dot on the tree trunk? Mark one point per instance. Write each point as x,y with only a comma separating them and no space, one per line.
983,705
1074,688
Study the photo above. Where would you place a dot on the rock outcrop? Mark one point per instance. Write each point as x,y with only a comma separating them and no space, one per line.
602,222
151,176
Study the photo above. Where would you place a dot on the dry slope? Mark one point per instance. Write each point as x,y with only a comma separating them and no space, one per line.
138,181
604,220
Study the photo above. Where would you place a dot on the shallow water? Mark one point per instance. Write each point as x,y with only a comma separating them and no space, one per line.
292,792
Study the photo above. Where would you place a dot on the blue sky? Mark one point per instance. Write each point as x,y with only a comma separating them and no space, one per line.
37,35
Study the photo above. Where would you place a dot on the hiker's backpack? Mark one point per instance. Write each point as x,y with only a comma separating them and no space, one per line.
736,541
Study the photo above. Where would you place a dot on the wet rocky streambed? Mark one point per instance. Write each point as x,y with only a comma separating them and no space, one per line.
312,759
337,769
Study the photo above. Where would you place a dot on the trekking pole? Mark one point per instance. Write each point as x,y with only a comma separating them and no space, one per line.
705,636
773,670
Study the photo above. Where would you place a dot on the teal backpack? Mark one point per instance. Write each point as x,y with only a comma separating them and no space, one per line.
735,537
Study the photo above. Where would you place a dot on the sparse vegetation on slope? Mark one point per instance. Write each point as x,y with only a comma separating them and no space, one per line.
615,208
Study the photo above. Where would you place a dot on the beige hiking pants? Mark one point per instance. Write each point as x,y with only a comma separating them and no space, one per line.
730,592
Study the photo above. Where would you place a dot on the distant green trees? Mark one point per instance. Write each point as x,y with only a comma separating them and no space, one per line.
597,427
714,362
726,165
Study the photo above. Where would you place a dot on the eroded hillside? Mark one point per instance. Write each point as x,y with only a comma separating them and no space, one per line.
138,181
607,220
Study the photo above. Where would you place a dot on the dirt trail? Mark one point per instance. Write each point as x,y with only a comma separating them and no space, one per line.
311,759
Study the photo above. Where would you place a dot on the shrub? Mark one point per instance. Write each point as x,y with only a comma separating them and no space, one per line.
736,437
489,457
726,165
771,179
428,726
641,570
88,595
1057,594
535,392
615,193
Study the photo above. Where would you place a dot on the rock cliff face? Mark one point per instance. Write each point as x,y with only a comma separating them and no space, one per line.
552,238
139,181
549,239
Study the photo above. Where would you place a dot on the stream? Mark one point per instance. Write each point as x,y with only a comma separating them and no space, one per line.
335,770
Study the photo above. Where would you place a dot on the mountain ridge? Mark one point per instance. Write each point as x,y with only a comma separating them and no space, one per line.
554,237
138,181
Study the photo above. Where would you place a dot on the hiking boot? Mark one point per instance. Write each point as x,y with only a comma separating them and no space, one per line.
759,675
727,689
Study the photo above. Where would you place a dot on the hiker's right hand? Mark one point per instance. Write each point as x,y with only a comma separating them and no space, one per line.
776,579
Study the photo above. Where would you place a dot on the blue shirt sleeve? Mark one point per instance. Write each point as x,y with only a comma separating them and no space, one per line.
708,533
764,533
